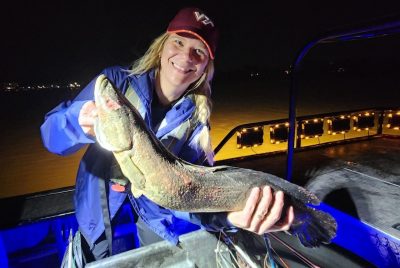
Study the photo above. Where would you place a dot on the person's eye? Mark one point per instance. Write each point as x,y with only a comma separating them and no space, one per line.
178,42
200,52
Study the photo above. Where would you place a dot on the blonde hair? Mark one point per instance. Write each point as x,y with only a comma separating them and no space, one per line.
201,89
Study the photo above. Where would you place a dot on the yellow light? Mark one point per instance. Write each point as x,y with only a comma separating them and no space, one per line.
272,141
388,125
329,132
315,120
278,142
307,138
343,132
366,128
302,136
358,130
334,133
244,130
287,124
367,114
255,128
271,129
398,113
396,128
355,117
390,115
276,126
342,117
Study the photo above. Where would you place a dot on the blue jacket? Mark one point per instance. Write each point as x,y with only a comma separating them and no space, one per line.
62,134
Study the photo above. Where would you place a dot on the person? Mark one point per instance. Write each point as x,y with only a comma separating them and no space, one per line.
170,85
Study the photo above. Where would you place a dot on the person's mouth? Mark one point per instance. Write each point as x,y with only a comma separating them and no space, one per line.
182,69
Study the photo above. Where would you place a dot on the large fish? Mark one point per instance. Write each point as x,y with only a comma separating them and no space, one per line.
176,184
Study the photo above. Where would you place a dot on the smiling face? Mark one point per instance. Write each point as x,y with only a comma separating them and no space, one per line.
183,61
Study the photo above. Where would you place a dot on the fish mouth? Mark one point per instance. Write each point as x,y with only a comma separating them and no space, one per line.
103,94
99,87
107,103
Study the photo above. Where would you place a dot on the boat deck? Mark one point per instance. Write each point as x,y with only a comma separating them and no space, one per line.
360,178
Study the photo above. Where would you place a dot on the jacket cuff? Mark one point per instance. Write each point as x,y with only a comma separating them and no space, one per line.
213,222
222,220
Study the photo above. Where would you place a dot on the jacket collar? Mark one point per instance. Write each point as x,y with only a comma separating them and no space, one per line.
181,110
144,85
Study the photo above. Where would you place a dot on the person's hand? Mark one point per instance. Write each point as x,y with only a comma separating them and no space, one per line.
87,116
262,212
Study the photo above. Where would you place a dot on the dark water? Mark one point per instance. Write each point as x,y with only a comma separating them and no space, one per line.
26,167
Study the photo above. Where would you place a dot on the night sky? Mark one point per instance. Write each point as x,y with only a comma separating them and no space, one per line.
53,41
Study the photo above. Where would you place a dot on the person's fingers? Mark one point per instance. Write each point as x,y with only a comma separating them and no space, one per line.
89,108
250,206
274,214
87,116
243,218
262,208
285,225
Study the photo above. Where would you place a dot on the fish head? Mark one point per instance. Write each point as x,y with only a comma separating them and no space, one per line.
114,120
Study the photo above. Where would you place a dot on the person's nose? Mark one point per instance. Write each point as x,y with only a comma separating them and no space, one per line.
189,54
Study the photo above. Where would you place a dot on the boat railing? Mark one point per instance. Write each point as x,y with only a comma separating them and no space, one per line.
270,137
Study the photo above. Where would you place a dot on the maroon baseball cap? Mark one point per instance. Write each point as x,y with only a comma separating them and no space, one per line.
194,21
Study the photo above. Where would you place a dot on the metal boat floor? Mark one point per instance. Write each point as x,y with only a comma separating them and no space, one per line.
360,178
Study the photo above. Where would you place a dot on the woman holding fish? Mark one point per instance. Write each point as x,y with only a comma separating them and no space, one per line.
170,87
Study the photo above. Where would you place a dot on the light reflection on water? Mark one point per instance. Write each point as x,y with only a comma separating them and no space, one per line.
26,167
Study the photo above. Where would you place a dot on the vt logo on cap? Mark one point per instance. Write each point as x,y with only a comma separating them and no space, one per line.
203,18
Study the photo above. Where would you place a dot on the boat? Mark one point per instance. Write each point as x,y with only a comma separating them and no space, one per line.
349,158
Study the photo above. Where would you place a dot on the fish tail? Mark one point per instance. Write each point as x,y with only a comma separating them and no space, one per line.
312,227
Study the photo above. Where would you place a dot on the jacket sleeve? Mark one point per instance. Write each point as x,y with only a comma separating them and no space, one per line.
61,132
213,222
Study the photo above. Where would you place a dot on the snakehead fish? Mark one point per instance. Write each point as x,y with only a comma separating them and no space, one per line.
176,184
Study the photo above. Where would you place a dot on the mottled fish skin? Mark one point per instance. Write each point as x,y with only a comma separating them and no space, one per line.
176,184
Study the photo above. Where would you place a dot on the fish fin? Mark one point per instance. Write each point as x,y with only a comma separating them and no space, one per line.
136,192
131,171
313,227
193,167
260,178
221,168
